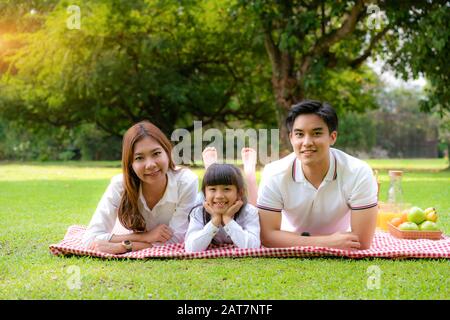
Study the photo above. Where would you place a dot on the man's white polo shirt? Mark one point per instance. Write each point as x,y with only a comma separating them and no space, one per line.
348,185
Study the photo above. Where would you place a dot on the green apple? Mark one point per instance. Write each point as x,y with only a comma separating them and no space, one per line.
416,215
428,226
408,226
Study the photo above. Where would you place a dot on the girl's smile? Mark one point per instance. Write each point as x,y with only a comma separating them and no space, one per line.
220,205
221,197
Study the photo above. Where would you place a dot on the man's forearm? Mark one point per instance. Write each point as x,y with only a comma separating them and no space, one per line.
282,239
365,239
363,224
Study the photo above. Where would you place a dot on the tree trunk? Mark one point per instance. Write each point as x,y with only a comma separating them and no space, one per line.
286,74
286,87
287,93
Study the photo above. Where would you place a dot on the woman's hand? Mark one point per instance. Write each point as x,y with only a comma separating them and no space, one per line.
231,211
216,218
161,233
107,247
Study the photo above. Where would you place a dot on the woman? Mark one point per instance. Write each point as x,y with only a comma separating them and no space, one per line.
151,198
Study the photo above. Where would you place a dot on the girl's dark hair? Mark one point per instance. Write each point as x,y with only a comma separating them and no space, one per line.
321,109
223,174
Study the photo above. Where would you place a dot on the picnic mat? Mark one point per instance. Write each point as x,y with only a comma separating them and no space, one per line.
384,246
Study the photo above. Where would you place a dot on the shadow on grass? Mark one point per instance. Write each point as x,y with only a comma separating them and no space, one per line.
318,258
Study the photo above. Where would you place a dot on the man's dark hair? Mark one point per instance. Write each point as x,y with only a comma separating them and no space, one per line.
324,110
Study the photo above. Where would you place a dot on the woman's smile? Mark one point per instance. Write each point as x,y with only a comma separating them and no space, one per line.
152,174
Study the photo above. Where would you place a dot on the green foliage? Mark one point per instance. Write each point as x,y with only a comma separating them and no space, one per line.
419,46
94,144
224,63
27,143
84,142
402,129
160,60
347,90
307,40
398,129
356,133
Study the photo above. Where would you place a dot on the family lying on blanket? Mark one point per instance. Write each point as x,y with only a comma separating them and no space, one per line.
316,196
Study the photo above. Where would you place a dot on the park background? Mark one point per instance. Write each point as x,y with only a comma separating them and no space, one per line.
74,75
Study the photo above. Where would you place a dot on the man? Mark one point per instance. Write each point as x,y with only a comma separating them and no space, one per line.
318,195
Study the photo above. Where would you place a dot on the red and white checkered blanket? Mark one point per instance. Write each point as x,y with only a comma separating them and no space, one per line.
383,246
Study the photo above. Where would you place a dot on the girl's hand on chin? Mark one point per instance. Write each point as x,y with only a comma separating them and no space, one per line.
216,218
232,210
208,207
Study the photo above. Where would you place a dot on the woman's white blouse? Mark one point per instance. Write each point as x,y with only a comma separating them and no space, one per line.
172,209
243,232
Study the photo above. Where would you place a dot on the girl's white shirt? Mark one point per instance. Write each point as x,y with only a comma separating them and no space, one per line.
243,232
172,209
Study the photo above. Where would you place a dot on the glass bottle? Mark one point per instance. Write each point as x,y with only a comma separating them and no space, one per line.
377,178
395,193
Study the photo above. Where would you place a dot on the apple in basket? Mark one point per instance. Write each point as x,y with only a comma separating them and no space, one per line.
416,215
428,226
408,226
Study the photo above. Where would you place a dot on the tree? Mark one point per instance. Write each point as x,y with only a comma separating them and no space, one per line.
421,48
357,133
129,61
307,39
174,62
402,129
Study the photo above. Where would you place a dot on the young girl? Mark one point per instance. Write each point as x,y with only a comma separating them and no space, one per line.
151,199
225,216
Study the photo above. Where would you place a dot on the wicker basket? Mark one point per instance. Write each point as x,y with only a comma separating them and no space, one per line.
396,232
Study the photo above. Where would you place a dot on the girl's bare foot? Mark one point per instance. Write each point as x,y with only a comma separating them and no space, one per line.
249,160
209,156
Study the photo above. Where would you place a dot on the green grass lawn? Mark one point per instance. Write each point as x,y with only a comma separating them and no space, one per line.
409,164
39,201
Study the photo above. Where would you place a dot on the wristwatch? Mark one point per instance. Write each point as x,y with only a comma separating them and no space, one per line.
127,245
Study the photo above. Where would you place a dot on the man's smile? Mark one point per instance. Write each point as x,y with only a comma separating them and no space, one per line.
308,152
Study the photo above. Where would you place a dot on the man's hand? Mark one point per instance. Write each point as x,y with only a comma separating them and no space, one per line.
273,237
340,240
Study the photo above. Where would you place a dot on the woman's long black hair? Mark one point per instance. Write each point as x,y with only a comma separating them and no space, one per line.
223,174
